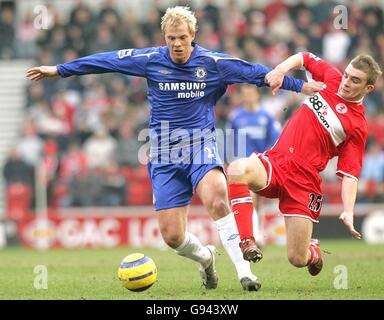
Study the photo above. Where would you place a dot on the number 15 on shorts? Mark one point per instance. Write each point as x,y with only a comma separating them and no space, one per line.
315,202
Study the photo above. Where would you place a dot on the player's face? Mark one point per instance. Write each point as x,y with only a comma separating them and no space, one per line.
353,86
179,42
249,96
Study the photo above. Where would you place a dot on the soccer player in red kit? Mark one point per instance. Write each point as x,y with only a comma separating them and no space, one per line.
330,123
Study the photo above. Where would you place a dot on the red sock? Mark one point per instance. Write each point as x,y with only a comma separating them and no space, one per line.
242,208
314,254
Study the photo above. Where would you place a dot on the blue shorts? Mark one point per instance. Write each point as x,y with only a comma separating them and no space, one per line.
174,183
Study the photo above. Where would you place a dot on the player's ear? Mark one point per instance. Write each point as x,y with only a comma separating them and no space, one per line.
369,88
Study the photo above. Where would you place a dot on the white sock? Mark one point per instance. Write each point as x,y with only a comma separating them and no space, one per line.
229,236
193,249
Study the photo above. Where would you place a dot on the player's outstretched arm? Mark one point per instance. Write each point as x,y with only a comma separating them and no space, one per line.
127,61
275,77
348,195
38,73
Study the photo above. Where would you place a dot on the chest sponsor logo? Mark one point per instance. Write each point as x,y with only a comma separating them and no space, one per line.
327,117
320,109
185,90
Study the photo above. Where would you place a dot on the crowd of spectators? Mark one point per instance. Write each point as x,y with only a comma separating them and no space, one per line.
84,130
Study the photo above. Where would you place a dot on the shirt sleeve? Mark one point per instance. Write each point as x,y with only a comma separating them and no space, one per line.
128,61
351,154
234,70
319,69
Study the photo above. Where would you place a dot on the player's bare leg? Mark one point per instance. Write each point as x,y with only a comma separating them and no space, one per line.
172,223
245,174
301,250
212,190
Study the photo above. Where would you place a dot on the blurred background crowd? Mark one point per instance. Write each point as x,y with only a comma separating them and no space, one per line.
84,130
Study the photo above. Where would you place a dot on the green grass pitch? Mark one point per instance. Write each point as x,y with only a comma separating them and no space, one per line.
92,274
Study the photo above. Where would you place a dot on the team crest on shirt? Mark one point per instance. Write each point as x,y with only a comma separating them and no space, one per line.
200,73
341,108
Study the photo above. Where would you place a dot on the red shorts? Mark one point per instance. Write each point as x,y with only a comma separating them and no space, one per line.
295,183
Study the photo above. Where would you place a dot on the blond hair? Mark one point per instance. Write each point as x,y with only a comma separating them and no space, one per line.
176,15
369,66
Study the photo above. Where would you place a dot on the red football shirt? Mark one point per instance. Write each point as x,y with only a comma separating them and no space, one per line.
326,125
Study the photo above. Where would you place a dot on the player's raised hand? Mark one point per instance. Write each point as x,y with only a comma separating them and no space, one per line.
275,79
38,73
347,218
313,87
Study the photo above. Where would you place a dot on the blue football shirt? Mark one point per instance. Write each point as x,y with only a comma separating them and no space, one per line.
181,96
259,130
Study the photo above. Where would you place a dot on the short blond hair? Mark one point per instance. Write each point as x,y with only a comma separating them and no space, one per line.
178,14
369,66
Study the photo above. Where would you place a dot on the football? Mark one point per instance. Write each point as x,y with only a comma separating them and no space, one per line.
137,272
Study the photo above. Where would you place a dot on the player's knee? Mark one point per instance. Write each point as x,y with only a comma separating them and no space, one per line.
297,260
236,171
218,207
173,240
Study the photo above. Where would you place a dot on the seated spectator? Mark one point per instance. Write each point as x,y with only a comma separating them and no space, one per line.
74,163
26,45
339,39
99,148
7,33
113,186
49,123
372,174
19,179
83,191
35,94
373,163
212,13
376,128
127,148
30,145
18,170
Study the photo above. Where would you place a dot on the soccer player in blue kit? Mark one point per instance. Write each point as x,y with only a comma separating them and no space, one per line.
184,83
253,124
254,129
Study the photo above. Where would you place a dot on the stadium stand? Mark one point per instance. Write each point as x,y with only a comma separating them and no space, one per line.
85,128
